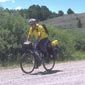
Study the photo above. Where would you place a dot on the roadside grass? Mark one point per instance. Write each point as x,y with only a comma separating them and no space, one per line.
79,55
9,66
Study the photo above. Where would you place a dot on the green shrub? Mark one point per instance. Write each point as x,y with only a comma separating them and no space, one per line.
80,44
70,40
66,41
12,34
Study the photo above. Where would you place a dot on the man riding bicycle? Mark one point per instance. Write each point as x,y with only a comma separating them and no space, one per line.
38,32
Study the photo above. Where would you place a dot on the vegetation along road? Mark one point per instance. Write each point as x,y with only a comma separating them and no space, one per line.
68,73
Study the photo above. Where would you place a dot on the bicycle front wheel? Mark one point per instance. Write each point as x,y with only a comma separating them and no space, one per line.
48,63
27,63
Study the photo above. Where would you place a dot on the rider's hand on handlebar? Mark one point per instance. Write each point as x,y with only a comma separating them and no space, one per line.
27,42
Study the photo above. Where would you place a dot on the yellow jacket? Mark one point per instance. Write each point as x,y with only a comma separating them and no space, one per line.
34,33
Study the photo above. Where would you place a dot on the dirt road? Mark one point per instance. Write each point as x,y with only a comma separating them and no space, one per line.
69,73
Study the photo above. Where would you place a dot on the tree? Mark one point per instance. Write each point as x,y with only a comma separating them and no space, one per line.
70,11
54,14
60,13
45,12
34,11
40,13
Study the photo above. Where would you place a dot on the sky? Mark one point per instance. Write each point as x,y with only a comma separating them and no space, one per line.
78,6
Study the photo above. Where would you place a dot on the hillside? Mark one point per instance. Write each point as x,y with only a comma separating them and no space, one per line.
67,21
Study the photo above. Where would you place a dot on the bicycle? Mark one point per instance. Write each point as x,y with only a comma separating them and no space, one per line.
30,58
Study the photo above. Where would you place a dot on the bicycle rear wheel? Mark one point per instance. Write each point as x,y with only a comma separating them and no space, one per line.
48,63
27,63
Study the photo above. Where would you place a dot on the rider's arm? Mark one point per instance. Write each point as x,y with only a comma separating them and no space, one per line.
29,38
29,34
39,35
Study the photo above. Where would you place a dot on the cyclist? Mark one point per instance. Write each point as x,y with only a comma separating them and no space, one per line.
38,32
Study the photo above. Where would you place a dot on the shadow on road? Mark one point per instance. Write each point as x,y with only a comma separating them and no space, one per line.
47,72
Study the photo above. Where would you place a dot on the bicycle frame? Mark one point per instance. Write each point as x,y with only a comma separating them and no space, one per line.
37,56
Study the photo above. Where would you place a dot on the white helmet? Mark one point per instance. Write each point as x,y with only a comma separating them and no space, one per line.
32,21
